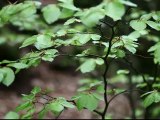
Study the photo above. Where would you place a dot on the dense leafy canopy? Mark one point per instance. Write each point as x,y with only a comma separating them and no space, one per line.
76,30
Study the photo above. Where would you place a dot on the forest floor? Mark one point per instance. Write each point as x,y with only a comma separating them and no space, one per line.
64,83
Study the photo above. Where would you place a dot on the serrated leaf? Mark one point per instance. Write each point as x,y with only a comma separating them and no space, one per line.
9,76
130,43
51,13
99,61
61,32
18,65
95,37
157,97
70,21
87,101
88,17
154,25
29,41
115,10
55,107
155,50
23,106
84,38
88,66
66,13
138,25
67,104
68,5
98,96
149,100
43,41
120,53
146,16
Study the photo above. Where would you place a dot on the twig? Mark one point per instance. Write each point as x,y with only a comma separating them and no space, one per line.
105,72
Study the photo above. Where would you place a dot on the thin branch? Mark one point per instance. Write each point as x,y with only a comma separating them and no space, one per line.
105,73
87,55
97,112
146,57
125,91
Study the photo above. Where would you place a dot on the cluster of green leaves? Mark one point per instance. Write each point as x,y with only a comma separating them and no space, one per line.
152,97
77,30
83,100
55,105
140,26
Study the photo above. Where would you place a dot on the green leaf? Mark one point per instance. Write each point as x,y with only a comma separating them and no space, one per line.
55,107
128,3
115,10
157,97
81,102
61,32
99,61
87,101
84,38
29,97
51,13
76,97
88,66
134,34
49,55
154,25
11,115
155,50
153,97
18,65
95,37
123,72
43,41
88,17
138,25
70,21
148,100
120,53
99,97
29,41
29,114
67,104
130,43
66,13
9,76
23,106
92,103
36,90
146,16
68,4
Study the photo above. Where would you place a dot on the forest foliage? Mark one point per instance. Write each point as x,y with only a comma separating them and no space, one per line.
98,29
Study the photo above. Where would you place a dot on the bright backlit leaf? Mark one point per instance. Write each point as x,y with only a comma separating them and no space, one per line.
138,25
